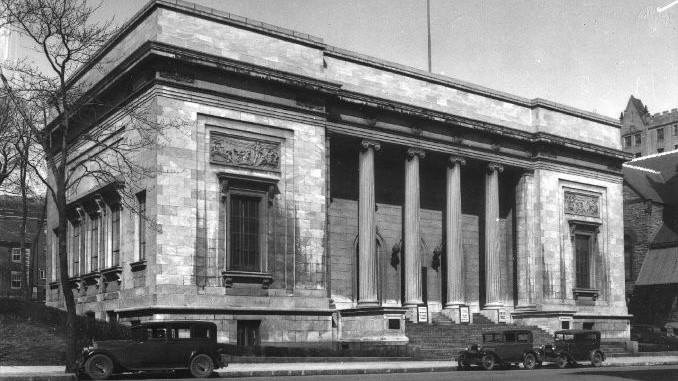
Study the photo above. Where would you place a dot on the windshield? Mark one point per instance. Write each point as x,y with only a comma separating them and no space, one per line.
563,337
492,338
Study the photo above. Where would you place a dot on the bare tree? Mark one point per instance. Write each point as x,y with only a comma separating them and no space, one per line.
56,109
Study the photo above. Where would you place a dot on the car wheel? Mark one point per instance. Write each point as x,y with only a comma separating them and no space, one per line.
596,359
99,367
487,362
529,361
201,366
562,361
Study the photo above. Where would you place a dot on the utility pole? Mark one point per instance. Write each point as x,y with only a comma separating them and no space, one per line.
428,31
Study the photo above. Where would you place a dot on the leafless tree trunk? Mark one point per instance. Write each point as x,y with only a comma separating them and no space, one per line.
65,35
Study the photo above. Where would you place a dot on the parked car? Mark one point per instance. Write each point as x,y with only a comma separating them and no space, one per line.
646,333
165,345
571,346
509,347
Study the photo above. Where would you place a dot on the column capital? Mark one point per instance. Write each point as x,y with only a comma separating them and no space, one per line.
495,167
412,152
366,144
454,160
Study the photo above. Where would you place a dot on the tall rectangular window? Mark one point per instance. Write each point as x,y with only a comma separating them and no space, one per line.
675,129
16,280
660,134
75,250
627,141
16,254
244,233
141,198
638,139
42,274
115,235
583,260
94,243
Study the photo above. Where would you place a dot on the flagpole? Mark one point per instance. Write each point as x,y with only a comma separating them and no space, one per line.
428,30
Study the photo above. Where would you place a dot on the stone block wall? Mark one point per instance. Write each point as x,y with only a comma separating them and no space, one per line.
343,231
557,254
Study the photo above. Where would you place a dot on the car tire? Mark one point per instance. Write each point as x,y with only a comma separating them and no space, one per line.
99,367
201,366
487,362
461,364
596,359
529,361
562,361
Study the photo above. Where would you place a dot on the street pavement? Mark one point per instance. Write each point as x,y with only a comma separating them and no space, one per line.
313,370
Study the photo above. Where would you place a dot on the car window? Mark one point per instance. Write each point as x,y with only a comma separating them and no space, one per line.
523,338
510,337
564,337
590,336
200,332
492,338
156,333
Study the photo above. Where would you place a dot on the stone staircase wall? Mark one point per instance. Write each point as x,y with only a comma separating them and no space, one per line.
443,339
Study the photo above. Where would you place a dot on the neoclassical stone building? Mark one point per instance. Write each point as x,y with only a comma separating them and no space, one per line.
322,196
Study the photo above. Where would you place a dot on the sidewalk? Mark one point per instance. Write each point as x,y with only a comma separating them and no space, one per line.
39,373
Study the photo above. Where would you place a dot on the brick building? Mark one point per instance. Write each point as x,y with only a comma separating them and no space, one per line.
322,196
651,237
646,134
14,264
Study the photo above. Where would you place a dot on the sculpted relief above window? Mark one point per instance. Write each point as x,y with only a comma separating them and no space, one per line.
582,204
243,152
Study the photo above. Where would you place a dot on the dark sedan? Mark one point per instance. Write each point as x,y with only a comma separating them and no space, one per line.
500,348
165,345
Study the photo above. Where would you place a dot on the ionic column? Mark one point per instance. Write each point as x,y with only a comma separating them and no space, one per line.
492,260
453,237
367,266
412,262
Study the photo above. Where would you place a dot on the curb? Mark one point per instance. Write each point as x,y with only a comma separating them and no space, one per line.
333,372
38,377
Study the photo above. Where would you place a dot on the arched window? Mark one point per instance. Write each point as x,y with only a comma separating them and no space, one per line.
628,258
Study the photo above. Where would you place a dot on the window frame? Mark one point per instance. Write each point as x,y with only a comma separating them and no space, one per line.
15,276
141,226
16,251
262,228
264,189
591,230
638,139
628,141
660,134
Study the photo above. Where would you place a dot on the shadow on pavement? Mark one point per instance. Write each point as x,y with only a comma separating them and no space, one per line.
631,374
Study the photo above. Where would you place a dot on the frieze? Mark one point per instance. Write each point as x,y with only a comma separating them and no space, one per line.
247,153
582,204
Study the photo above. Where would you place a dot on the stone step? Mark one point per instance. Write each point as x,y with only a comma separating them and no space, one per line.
445,339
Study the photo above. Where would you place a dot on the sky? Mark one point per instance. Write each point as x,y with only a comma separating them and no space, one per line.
589,54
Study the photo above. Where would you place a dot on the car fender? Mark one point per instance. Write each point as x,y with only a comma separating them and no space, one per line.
602,354
216,358
492,353
116,363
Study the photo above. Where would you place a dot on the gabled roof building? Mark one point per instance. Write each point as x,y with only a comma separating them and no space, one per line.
651,237
647,134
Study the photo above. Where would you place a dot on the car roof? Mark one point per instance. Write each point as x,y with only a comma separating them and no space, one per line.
509,331
576,331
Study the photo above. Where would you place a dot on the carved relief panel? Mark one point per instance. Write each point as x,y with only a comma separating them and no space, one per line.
244,152
582,204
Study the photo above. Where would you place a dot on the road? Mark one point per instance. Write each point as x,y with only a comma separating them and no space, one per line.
648,373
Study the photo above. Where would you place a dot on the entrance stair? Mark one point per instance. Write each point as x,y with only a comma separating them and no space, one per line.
443,339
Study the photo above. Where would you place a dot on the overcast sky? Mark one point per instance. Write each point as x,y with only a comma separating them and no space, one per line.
590,54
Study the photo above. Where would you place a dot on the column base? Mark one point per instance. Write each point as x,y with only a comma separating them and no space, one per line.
453,305
368,303
493,306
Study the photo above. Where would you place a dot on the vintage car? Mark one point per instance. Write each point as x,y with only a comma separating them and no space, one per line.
164,345
571,346
500,348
